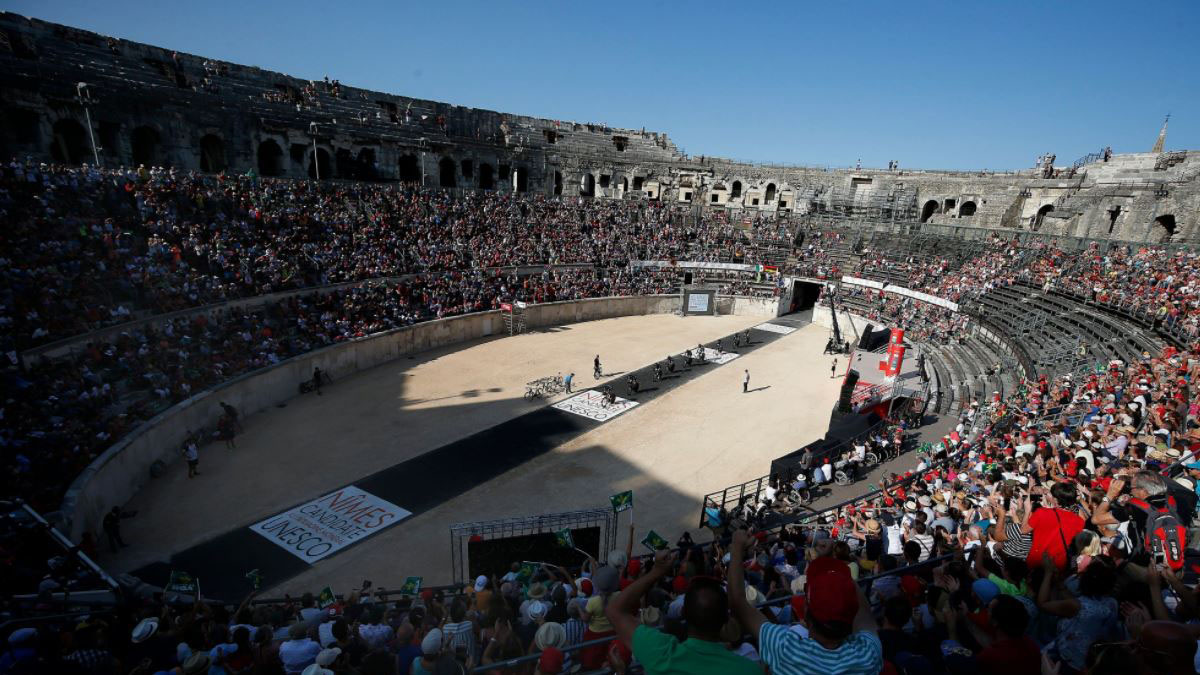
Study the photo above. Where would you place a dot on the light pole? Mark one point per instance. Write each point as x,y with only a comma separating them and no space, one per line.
84,96
312,131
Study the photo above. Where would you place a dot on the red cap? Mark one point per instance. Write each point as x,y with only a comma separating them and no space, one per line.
634,567
679,584
427,595
911,586
797,607
832,594
551,661
585,587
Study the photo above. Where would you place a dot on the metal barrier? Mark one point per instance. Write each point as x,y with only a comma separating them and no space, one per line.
760,483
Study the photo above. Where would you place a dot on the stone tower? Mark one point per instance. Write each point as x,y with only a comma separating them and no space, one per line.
1162,136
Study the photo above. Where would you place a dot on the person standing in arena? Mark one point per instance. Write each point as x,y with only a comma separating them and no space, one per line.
567,382
597,371
192,455
317,374
833,370
746,382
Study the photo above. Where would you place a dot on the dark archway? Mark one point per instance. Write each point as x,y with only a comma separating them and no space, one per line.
1164,229
770,194
487,180
347,165
21,128
522,179
410,169
558,182
928,210
144,142
366,164
737,190
212,154
638,182
1041,215
624,184
447,173
587,187
468,169
70,142
322,162
966,210
270,158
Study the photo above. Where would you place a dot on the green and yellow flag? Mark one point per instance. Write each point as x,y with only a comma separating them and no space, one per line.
181,582
326,598
654,541
411,586
622,501
563,538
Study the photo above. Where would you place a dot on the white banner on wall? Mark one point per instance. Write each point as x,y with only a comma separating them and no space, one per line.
693,265
901,290
591,404
322,527
697,303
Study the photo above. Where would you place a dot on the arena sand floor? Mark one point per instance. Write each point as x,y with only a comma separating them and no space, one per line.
687,437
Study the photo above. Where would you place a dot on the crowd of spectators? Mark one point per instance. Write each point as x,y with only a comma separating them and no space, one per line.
1035,545
1057,539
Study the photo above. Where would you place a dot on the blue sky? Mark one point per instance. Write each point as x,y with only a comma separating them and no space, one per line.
932,84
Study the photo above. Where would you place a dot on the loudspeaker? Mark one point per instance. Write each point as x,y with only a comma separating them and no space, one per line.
843,404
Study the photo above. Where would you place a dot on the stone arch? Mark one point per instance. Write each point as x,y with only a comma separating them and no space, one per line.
212,154
927,211
468,169
70,142
769,194
558,185
1164,229
320,161
587,186
1041,215
487,178
447,173
270,158
966,210
410,169
144,142
736,190
521,179
624,184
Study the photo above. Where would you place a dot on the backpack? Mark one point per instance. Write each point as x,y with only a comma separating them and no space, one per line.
1165,537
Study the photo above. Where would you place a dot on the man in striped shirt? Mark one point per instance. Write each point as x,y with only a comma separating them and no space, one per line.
842,637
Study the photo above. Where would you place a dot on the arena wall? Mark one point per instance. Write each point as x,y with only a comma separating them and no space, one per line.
114,477
251,119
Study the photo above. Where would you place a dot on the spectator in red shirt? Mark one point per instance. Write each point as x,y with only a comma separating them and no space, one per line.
1053,526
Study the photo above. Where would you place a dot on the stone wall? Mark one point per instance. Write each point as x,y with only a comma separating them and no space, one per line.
114,477
151,105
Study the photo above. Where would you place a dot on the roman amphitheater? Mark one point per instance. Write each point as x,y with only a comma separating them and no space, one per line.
281,336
